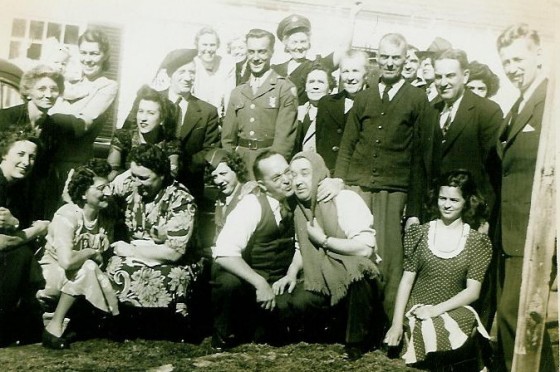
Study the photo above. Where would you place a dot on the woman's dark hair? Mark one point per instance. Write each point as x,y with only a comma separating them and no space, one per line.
82,179
167,110
480,71
236,164
14,133
29,78
318,66
151,157
99,37
475,210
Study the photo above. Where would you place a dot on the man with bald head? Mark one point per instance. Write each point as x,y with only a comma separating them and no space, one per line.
380,154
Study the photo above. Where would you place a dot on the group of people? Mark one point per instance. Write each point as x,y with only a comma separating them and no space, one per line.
382,210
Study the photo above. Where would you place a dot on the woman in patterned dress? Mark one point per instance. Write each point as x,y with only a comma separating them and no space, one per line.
445,262
156,266
155,123
78,235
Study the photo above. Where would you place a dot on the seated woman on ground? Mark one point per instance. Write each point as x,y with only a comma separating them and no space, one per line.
444,265
78,236
20,274
156,265
155,123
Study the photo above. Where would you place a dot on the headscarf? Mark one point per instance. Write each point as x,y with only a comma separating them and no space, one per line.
325,271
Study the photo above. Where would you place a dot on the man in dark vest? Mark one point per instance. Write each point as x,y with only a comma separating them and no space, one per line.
254,249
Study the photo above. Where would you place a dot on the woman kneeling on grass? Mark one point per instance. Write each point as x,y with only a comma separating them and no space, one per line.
444,265
78,235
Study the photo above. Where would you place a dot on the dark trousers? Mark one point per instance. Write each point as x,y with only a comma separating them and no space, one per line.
509,285
362,310
20,313
387,208
237,315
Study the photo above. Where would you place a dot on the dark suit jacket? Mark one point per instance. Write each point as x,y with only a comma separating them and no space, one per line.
519,157
468,142
330,124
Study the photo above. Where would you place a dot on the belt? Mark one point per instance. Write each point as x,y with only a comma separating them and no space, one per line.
254,144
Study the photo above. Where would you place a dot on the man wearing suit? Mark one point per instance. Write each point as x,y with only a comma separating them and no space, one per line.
517,147
262,112
466,126
380,154
332,110
197,121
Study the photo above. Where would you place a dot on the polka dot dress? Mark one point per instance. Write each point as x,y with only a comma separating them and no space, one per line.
437,280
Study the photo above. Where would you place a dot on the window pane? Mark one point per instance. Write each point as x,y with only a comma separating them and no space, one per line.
71,35
36,30
15,50
18,27
34,51
53,30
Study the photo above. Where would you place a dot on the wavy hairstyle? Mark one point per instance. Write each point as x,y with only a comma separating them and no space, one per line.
151,157
29,78
15,133
235,163
480,71
99,37
475,211
166,109
83,178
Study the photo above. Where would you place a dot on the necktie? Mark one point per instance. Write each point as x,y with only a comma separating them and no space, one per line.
514,114
179,118
285,213
306,123
385,98
447,124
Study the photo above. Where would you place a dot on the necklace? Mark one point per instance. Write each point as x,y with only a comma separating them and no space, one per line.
90,225
455,249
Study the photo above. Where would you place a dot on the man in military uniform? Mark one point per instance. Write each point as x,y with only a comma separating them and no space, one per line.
262,112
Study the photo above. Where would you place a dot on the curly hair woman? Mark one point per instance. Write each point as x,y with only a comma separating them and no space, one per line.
444,265
78,235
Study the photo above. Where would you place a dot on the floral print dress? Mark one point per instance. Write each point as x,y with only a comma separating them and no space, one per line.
168,219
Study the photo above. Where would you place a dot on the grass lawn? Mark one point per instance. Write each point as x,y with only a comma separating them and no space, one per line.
162,356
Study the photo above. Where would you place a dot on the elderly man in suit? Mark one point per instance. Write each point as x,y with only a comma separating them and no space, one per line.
520,53
332,110
197,121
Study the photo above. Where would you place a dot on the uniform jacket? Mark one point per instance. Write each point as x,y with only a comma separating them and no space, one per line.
519,156
380,149
270,114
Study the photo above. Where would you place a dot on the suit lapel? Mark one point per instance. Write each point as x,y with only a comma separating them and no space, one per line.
523,118
192,117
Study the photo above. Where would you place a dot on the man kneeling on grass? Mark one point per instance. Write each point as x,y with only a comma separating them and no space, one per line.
337,255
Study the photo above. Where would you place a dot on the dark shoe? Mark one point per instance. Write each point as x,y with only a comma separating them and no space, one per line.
50,341
353,352
219,344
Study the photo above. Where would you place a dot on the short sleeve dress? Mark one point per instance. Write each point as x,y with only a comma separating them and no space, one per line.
140,283
68,227
437,280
